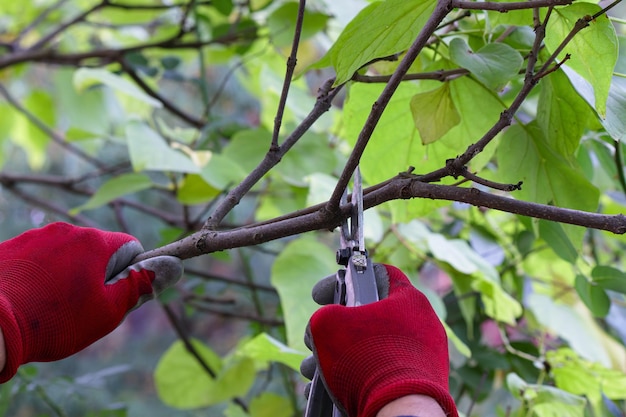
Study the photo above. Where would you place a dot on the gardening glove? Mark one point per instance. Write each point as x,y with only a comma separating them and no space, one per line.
63,287
376,353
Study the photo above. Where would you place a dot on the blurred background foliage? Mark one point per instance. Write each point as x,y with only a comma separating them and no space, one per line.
140,115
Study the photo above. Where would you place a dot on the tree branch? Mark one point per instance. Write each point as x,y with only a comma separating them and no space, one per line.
506,7
291,66
441,75
193,121
273,157
400,187
441,10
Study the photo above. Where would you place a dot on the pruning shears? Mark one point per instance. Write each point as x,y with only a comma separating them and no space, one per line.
355,286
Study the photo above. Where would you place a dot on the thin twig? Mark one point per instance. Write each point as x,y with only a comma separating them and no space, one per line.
47,205
61,28
42,16
195,122
291,66
56,137
491,184
182,335
232,281
322,105
435,19
441,75
237,314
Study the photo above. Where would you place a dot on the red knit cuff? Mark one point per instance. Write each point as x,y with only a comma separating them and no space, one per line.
386,394
12,341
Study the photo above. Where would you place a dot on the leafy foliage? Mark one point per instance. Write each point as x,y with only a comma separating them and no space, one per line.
490,134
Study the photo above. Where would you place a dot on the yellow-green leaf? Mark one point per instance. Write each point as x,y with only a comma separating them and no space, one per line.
593,51
434,113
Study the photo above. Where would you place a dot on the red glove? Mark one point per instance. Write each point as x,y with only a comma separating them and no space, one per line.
376,353
63,287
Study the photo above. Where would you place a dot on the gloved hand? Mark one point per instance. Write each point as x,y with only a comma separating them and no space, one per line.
373,354
63,287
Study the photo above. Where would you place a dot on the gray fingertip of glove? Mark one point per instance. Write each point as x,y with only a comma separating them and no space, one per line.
167,271
120,260
324,291
307,390
308,366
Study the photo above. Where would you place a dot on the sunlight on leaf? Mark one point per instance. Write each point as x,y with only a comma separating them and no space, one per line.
582,377
593,51
434,113
381,29
544,400
264,348
88,77
296,270
115,188
149,151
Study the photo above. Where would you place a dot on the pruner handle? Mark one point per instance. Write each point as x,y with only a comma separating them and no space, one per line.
354,286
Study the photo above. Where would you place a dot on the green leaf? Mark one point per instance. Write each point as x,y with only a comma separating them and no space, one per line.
614,122
554,235
434,113
546,401
181,382
582,377
82,111
594,297
562,114
221,172
195,190
524,155
395,144
593,51
264,348
115,188
281,24
247,147
297,164
574,326
479,275
225,7
381,29
149,151
88,77
494,65
609,278
270,405
28,136
321,187
299,266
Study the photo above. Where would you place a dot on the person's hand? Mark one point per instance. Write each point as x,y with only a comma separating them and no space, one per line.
377,353
63,287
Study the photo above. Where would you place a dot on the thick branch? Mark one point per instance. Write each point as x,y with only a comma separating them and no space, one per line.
207,241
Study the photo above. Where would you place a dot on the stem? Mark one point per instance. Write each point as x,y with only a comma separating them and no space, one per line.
441,11
291,66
